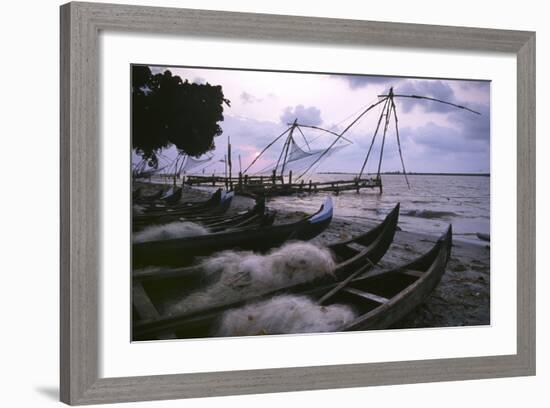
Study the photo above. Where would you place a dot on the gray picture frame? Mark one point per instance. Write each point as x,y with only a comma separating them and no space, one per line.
81,24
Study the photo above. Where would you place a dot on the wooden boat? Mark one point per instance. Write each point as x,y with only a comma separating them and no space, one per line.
136,194
160,208
155,286
172,196
256,216
212,210
148,199
382,298
181,251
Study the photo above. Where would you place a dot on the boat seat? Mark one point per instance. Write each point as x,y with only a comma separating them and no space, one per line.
377,273
413,273
367,295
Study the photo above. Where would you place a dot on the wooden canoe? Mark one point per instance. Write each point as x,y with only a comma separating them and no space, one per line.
181,251
380,298
211,211
160,207
141,199
354,256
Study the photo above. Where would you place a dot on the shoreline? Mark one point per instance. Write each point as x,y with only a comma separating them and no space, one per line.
462,298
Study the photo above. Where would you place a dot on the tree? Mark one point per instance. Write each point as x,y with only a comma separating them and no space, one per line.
169,111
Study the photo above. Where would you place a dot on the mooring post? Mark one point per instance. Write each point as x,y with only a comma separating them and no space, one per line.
273,177
290,177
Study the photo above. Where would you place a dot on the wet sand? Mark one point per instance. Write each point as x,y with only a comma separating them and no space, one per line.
462,298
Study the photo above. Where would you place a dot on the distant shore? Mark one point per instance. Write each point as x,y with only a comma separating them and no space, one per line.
415,174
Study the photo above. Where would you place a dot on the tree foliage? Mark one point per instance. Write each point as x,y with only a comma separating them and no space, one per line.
168,111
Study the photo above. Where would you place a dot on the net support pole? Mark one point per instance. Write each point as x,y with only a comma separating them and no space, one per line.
387,113
396,121
373,140
288,148
265,148
341,135
229,163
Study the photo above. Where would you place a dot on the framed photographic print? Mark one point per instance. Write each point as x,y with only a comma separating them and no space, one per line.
234,183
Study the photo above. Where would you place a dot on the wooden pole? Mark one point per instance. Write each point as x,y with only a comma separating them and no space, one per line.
225,165
304,136
290,140
340,136
399,143
384,136
282,153
175,170
265,148
373,139
229,164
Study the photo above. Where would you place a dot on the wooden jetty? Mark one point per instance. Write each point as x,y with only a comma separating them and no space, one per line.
277,185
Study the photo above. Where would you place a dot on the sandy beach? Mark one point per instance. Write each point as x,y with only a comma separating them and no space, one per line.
462,298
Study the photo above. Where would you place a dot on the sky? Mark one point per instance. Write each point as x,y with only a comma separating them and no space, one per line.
434,137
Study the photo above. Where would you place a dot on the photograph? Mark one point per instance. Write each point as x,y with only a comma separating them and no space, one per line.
271,202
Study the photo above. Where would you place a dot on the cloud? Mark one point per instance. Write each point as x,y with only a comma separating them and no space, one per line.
437,139
249,98
480,86
431,88
307,116
473,127
249,136
362,81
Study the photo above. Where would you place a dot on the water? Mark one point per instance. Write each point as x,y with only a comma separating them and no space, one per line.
432,203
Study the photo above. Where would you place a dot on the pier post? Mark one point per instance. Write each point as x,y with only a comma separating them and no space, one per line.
274,177
290,177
